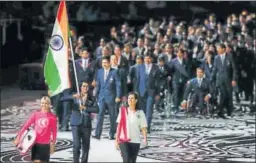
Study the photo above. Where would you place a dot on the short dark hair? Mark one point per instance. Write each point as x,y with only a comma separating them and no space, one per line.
118,46
84,81
200,68
139,57
84,49
148,54
181,50
222,45
106,58
161,58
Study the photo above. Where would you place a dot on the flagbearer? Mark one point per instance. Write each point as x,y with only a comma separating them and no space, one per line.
84,105
131,121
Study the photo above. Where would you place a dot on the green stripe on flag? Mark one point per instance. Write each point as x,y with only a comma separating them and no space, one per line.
51,73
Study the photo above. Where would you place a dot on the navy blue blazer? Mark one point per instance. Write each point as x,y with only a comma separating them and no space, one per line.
110,89
147,83
203,90
207,69
84,118
180,73
224,73
86,74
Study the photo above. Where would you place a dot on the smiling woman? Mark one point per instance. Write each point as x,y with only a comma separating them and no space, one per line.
130,122
45,125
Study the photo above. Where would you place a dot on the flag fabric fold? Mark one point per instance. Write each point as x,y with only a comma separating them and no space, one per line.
56,71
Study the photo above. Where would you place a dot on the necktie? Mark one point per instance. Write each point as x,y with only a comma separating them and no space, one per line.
222,59
85,64
147,69
199,82
169,58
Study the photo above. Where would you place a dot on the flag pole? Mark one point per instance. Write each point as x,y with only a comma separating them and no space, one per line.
73,62
74,67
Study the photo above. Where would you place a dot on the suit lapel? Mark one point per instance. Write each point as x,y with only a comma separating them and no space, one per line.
197,83
109,74
181,68
80,63
145,72
225,60
220,62
89,63
151,70
143,69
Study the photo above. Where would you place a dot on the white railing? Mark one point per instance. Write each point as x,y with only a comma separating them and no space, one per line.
5,22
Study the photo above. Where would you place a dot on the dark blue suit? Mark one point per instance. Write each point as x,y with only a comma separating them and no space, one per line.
107,91
163,85
224,74
198,91
98,51
147,87
81,126
180,77
84,74
207,69
133,78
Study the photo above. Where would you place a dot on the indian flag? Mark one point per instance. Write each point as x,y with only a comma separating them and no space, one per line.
56,71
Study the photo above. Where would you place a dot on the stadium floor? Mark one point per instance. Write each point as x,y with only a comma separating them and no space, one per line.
177,139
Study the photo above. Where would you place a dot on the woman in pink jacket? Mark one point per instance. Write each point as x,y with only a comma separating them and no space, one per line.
45,126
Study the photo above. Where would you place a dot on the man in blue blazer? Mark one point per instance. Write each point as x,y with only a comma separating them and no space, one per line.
179,69
147,86
83,105
108,91
132,80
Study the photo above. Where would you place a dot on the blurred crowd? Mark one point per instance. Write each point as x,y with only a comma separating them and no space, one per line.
172,65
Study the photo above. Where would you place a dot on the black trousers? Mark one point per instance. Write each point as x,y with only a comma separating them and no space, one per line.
178,92
198,100
226,100
81,136
129,151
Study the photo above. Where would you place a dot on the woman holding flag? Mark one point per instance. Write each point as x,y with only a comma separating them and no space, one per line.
130,121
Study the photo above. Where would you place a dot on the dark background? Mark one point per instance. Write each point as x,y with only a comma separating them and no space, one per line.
32,47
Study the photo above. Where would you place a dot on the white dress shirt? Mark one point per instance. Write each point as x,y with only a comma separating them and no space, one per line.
169,56
199,81
106,72
148,68
84,63
180,61
222,57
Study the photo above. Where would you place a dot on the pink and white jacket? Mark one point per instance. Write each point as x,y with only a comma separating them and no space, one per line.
45,126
